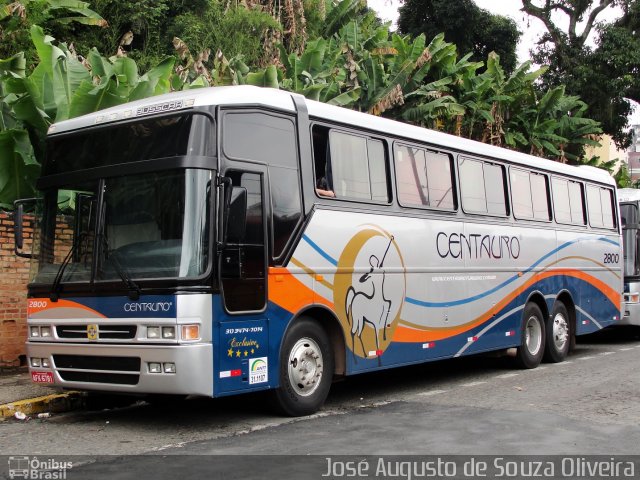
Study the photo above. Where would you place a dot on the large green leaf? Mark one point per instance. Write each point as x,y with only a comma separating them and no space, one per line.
13,66
265,78
65,72
18,166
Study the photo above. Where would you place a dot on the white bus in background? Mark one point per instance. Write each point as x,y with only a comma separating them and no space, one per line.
629,200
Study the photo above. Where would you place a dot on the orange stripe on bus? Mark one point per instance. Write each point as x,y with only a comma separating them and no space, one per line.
286,291
416,333
37,305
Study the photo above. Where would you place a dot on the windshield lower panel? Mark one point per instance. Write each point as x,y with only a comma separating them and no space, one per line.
138,227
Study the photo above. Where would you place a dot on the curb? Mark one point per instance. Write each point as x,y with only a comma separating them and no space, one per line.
55,403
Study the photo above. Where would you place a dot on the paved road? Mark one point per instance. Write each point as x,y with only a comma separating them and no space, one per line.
474,406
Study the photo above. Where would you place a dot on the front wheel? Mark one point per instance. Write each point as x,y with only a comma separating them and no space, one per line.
531,349
558,334
306,369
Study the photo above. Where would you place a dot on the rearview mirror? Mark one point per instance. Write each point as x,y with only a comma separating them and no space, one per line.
18,221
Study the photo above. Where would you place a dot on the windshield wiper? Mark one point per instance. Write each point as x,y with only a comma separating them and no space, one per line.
134,289
54,295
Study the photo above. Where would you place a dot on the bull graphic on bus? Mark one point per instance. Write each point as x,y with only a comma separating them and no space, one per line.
369,291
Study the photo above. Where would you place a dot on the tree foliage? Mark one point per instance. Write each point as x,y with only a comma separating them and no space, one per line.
356,63
463,23
604,75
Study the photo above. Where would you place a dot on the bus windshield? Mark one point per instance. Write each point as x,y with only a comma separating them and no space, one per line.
147,226
629,218
127,201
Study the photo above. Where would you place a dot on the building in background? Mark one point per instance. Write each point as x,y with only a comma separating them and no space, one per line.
633,155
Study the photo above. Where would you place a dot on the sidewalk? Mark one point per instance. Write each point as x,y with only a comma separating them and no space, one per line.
19,394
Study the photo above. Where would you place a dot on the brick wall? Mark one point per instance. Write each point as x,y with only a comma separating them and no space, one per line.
14,275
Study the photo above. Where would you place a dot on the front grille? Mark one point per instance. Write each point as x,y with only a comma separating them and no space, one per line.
106,332
93,377
89,362
94,369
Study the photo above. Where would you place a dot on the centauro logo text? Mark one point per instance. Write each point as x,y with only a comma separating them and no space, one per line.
475,246
148,307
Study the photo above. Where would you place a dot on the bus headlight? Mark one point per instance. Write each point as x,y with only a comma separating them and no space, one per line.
633,297
34,332
169,333
153,332
45,332
35,362
155,367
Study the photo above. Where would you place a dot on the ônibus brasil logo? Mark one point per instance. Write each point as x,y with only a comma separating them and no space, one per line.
35,468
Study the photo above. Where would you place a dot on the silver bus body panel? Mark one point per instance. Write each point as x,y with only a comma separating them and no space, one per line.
193,359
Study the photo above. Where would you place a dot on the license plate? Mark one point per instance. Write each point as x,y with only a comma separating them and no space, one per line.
42,377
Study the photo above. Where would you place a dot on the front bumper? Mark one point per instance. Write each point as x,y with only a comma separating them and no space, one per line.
125,368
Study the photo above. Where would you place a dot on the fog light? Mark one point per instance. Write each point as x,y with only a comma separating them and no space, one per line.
45,332
35,362
155,368
45,363
35,331
169,332
153,332
190,332
169,367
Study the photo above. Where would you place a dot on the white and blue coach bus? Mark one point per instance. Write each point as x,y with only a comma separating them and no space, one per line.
629,200
234,239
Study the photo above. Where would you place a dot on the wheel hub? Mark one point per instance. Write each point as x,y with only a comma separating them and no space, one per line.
560,331
533,336
305,366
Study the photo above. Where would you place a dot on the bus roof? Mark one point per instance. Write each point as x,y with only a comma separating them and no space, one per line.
282,100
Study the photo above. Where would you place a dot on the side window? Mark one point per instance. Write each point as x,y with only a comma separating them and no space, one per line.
561,203
259,136
270,139
568,203
529,194
600,203
349,166
424,178
576,197
482,187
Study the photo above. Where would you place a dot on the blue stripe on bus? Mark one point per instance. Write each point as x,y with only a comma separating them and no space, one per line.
462,301
506,282
317,248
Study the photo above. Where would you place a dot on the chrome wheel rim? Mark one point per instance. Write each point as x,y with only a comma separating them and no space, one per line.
533,336
560,331
305,367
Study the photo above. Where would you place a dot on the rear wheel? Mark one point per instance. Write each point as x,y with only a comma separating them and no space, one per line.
529,353
558,334
306,369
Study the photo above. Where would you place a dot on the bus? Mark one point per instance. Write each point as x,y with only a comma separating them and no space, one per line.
629,199
234,239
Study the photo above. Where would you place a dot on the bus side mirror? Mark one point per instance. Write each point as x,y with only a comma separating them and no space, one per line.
18,220
236,215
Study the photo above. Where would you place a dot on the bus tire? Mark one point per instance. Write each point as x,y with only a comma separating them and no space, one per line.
558,334
306,369
531,350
